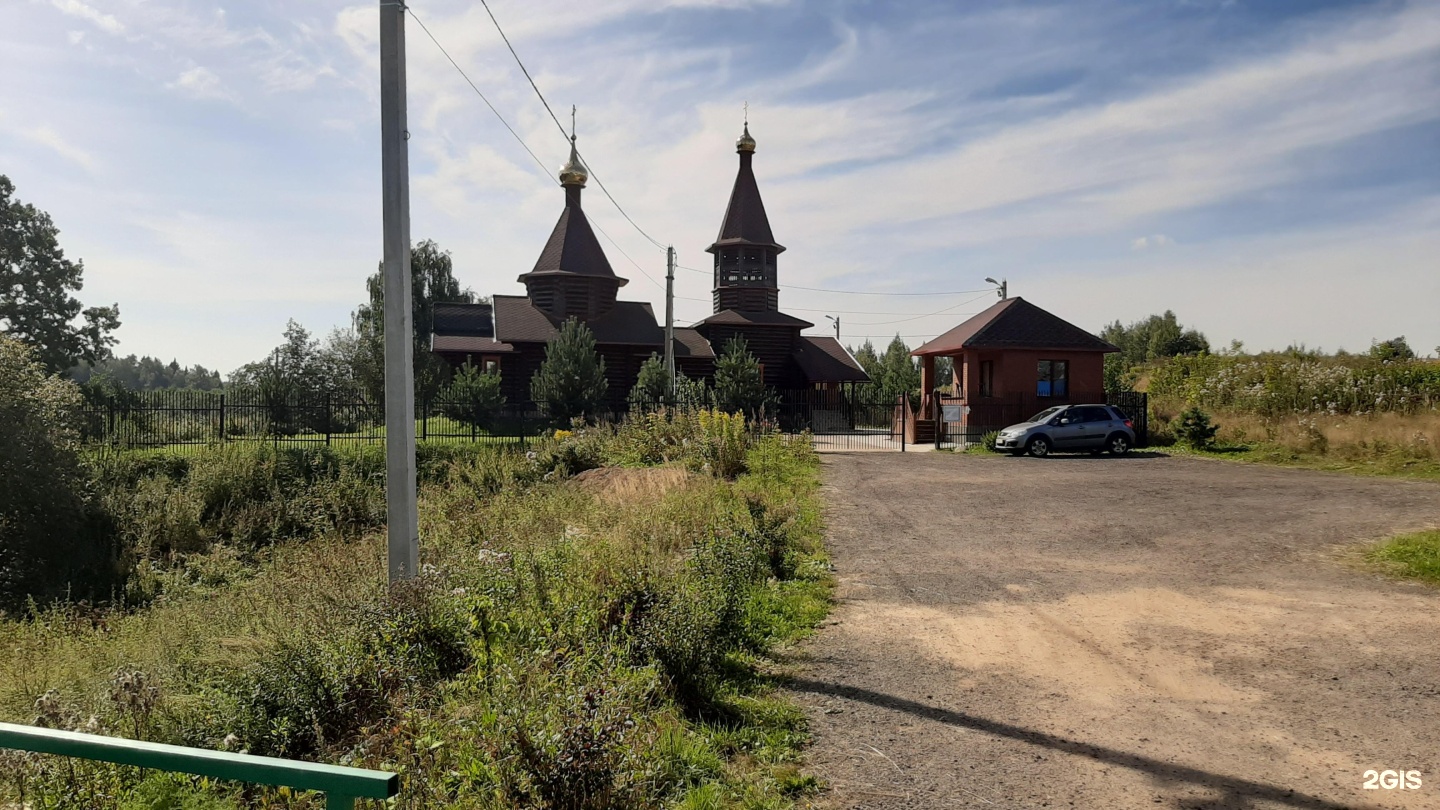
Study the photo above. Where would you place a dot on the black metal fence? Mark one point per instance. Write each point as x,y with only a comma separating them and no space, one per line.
119,419
842,421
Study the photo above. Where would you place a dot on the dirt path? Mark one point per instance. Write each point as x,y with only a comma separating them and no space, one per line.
1117,633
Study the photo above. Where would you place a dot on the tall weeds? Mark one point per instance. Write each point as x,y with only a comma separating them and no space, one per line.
567,646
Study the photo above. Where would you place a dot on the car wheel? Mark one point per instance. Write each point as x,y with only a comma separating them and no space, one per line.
1039,447
1118,445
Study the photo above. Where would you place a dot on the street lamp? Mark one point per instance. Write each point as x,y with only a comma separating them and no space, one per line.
836,319
1003,292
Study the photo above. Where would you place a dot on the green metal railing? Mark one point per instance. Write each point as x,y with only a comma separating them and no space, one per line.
341,785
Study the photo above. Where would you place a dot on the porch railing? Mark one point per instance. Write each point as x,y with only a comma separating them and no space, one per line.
341,785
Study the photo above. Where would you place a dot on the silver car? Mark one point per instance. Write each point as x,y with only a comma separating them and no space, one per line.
1070,427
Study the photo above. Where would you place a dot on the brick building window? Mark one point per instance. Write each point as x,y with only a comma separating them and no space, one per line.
987,378
1053,378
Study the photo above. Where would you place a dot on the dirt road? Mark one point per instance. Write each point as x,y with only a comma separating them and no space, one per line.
1116,633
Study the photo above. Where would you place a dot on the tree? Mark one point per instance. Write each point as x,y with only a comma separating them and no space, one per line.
37,287
145,374
291,383
1155,337
473,397
54,541
570,383
868,359
652,384
1387,351
294,365
898,373
739,382
432,281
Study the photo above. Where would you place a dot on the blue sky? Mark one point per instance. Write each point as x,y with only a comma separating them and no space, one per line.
1268,170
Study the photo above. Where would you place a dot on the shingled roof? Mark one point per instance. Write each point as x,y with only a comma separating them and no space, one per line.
468,344
823,359
572,247
755,317
745,221
690,343
630,323
1014,324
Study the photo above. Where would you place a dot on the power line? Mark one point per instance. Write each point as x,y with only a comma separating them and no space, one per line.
921,338
859,292
856,292
561,127
926,315
616,245
543,169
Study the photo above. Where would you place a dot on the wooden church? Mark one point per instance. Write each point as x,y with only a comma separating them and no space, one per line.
573,279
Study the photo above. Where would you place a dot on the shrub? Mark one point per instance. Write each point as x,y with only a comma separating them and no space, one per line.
739,381
317,689
989,439
720,442
55,539
570,383
473,397
1194,429
652,385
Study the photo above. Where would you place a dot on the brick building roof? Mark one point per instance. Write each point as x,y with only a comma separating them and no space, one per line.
1014,324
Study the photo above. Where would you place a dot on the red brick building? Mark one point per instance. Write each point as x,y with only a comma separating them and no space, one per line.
1011,361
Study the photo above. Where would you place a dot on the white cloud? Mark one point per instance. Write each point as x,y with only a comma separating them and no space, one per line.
1196,143
48,137
1158,240
199,82
79,10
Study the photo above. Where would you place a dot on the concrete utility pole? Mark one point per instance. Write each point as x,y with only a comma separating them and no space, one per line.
404,524
670,316
836,319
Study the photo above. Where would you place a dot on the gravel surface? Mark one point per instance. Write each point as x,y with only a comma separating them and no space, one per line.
1113,633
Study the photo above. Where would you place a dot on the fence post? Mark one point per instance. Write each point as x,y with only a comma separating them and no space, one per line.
425,420
329,417
904,402
222,418
939,412
110,418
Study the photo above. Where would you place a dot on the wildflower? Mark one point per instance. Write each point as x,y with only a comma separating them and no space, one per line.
493,557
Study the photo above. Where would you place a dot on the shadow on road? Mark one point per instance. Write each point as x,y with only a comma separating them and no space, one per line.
1068,455
1239,794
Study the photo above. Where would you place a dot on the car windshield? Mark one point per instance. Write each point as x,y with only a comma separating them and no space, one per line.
1046,414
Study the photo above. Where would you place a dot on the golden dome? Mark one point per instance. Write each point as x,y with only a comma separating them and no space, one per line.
746,143
573,173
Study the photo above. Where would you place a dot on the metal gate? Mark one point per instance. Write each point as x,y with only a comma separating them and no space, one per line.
844,420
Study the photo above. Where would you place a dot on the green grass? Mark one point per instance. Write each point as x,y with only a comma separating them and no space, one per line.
1387,465
568,646
1415,556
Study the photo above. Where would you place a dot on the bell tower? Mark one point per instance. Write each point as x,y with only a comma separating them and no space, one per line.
746,253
